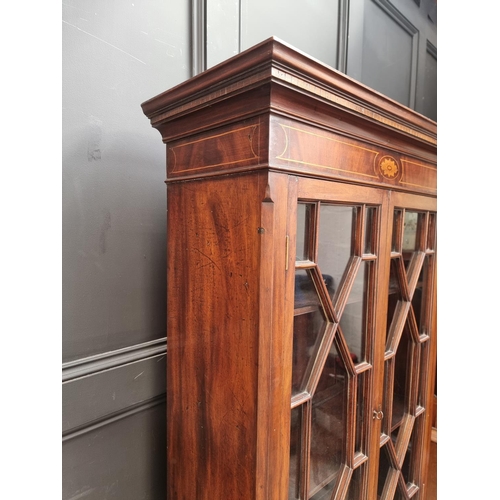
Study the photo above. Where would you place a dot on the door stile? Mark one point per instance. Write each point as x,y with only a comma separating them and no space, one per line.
291,217
380,326
266,233
274,375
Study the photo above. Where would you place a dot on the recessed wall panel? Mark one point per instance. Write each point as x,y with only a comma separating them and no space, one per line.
429,103
387,54
114,57
308,25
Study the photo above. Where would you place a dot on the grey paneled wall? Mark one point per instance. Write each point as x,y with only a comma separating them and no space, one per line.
388,47
381,43
311,26
115,56
428,103
124,459
390,44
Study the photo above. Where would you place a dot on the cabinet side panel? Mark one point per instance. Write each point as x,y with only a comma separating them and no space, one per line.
212,331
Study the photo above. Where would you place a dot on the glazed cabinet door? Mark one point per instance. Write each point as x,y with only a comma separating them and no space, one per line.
335,235
363,294
409,349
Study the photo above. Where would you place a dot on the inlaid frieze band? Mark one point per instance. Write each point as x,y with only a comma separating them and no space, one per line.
301,148
227,148
325,152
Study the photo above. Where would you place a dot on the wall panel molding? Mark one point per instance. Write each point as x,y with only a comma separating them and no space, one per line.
396,15
198,36
409,28
113,417
107,387
223,30
111,359
124,460
106,394
343,35
431,49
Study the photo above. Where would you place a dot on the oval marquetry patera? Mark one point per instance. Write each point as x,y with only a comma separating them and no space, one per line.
388,167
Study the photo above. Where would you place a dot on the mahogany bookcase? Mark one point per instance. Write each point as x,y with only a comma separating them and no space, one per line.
301,288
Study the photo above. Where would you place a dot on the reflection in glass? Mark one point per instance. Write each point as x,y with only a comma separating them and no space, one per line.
303,211
324,493
369,244
328,423
308,328
410,227
354,318
336,224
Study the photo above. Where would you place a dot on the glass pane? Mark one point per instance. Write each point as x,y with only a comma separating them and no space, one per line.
417,300
308,328
356,485
360,445
431,237
295,450
400,371
336,223
406,469
324,493
386,424
399,495
410,461
328,423
394,294
369,245
383,469
422,297
396,228
424,373
413,232
303,211
354,318
410,231
394,436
